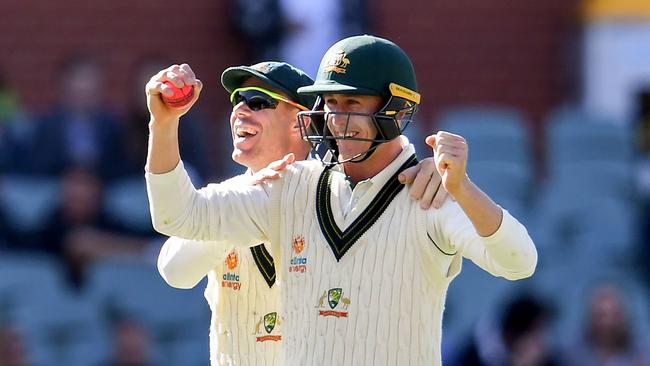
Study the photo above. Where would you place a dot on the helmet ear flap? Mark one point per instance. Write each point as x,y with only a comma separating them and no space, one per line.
394,117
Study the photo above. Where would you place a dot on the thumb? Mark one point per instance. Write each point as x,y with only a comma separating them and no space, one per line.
281,164
289,158
431,141
286,160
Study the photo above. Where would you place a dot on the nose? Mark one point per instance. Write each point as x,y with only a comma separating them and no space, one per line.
241,109
338,119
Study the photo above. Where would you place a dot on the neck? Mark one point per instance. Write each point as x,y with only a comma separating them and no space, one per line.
378,161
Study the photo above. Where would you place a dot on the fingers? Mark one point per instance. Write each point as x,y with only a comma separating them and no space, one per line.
289,158
177,75
272,171
409,174
264,175
448,149
440,197
422,179
432,188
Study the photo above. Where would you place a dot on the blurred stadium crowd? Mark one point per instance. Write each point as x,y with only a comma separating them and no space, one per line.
78,283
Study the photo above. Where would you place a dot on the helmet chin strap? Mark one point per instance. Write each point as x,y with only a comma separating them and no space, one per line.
368,152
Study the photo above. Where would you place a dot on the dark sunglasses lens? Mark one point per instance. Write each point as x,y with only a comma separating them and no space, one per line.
255,100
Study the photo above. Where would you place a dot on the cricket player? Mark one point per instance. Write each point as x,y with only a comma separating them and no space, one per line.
242,290
364,270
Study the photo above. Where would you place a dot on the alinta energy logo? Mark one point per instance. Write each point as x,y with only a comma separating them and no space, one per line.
298,264
231,277
265,328
334,297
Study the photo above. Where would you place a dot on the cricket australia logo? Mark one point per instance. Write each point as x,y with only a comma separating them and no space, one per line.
337,63
230,278
267,323
334,297
298,264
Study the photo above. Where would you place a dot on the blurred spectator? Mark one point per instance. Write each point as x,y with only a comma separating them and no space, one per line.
16,126
522,340
643,172
8,105
608,337
79,232
131,345
260,24
192,132
8,101
12,350
79,130
307,36
523,330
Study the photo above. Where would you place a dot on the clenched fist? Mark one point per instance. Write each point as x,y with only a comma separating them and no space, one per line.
179,76
450,155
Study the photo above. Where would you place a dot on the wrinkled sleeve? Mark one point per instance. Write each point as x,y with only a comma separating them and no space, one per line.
508,253
218,212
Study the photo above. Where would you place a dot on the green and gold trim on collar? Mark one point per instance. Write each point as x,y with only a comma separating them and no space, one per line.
342,241
264,263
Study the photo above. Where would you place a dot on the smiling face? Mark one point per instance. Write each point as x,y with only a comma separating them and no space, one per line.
352,126
260,137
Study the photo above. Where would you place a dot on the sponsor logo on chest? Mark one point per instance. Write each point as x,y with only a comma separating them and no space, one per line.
336,305
266,328
230,277
298,263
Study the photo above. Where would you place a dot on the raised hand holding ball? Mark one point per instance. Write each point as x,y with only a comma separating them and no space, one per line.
181,97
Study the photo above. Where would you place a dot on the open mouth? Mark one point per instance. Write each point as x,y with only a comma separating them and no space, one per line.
245,131
346,135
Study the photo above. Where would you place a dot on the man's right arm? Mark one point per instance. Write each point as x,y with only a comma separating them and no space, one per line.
177,208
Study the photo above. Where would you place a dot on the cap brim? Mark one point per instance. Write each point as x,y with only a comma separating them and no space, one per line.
335,88
234,77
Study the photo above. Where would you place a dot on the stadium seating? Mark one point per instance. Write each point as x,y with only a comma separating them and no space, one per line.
177,319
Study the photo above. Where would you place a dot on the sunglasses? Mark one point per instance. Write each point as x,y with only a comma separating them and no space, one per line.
259,98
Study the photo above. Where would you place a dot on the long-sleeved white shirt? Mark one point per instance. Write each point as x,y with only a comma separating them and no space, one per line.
246,323
366,288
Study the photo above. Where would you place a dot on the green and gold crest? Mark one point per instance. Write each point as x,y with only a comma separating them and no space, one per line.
269,321
334,296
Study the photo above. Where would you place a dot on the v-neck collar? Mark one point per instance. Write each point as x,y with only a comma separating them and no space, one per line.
341,241
264,263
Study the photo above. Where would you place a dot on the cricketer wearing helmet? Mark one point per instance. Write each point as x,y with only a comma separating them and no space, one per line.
364,271
242,289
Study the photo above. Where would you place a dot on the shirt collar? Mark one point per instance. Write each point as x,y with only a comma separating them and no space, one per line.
407,151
